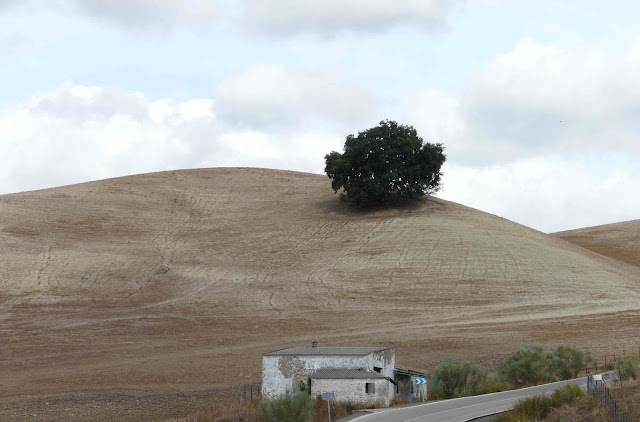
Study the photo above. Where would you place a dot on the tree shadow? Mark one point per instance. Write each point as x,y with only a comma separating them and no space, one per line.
341,206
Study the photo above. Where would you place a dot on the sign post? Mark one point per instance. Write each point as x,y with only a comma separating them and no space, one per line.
423,381
328,397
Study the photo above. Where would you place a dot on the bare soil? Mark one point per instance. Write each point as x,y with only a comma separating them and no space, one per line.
118,295
619,241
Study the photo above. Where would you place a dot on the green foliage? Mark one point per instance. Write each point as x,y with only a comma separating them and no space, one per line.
534,408
456,379
566,362
532,365
627,367
566,394
384,164
528,366
493,385
291,408
538,407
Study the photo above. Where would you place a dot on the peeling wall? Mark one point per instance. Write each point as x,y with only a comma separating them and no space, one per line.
353,391
282,374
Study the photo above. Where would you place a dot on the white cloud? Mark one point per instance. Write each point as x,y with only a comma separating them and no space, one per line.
537,100
284,17
542,98
576,83
550,193
136,14
267,95
544,136
276,17
79,133
130,14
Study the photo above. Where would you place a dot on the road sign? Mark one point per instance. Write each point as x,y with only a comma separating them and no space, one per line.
328,396
421,381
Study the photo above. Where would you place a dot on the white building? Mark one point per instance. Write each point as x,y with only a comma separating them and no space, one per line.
352,385
354,374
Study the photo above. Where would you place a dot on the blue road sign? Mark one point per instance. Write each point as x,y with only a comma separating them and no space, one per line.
421,381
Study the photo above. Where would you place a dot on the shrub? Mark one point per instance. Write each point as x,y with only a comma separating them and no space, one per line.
291,408
528,366
565,395
457,379
534,408
511,416
397,401
538,407
338,410
565,362
627,367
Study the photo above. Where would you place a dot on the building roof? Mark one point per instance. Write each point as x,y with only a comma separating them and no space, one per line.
326,351
409,372
341,374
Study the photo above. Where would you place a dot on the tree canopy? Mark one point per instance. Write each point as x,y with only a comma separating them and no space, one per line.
385,164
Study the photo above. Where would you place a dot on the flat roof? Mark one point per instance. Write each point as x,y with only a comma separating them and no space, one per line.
341,374
328,351
409,372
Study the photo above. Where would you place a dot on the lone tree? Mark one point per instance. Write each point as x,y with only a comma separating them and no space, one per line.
384,164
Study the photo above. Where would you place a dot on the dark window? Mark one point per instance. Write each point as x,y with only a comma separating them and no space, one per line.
370,388
378,370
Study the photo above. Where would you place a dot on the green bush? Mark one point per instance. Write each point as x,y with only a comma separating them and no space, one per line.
565,362
291,408
492,385
534,408
565,395
538,407
456,379
627,367
532,365
528,366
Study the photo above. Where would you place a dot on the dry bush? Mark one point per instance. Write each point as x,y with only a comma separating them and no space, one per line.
338,410
230,411
397,401
628,398
584,409
538,407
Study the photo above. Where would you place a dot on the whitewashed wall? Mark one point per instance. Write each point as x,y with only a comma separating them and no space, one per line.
353,391
281,374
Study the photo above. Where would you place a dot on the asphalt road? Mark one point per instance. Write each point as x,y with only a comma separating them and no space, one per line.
463,409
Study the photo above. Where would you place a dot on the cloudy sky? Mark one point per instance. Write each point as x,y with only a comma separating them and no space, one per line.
537,103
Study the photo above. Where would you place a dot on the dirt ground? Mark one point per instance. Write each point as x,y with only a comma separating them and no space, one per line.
620,241
126,299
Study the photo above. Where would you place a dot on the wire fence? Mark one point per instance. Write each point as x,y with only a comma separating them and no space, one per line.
600,391
242,392
607,363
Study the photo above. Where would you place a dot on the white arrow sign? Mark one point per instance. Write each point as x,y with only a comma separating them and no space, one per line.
421,381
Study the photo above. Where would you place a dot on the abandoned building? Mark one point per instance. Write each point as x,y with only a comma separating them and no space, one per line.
406,386
353,374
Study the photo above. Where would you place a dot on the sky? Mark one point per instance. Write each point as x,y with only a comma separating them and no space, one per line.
536,103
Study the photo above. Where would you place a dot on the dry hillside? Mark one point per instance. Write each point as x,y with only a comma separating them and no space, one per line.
179,281
619,241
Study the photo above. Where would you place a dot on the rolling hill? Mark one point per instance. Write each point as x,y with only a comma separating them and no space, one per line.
619,241
178,281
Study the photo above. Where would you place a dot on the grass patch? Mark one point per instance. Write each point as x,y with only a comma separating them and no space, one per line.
539,407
